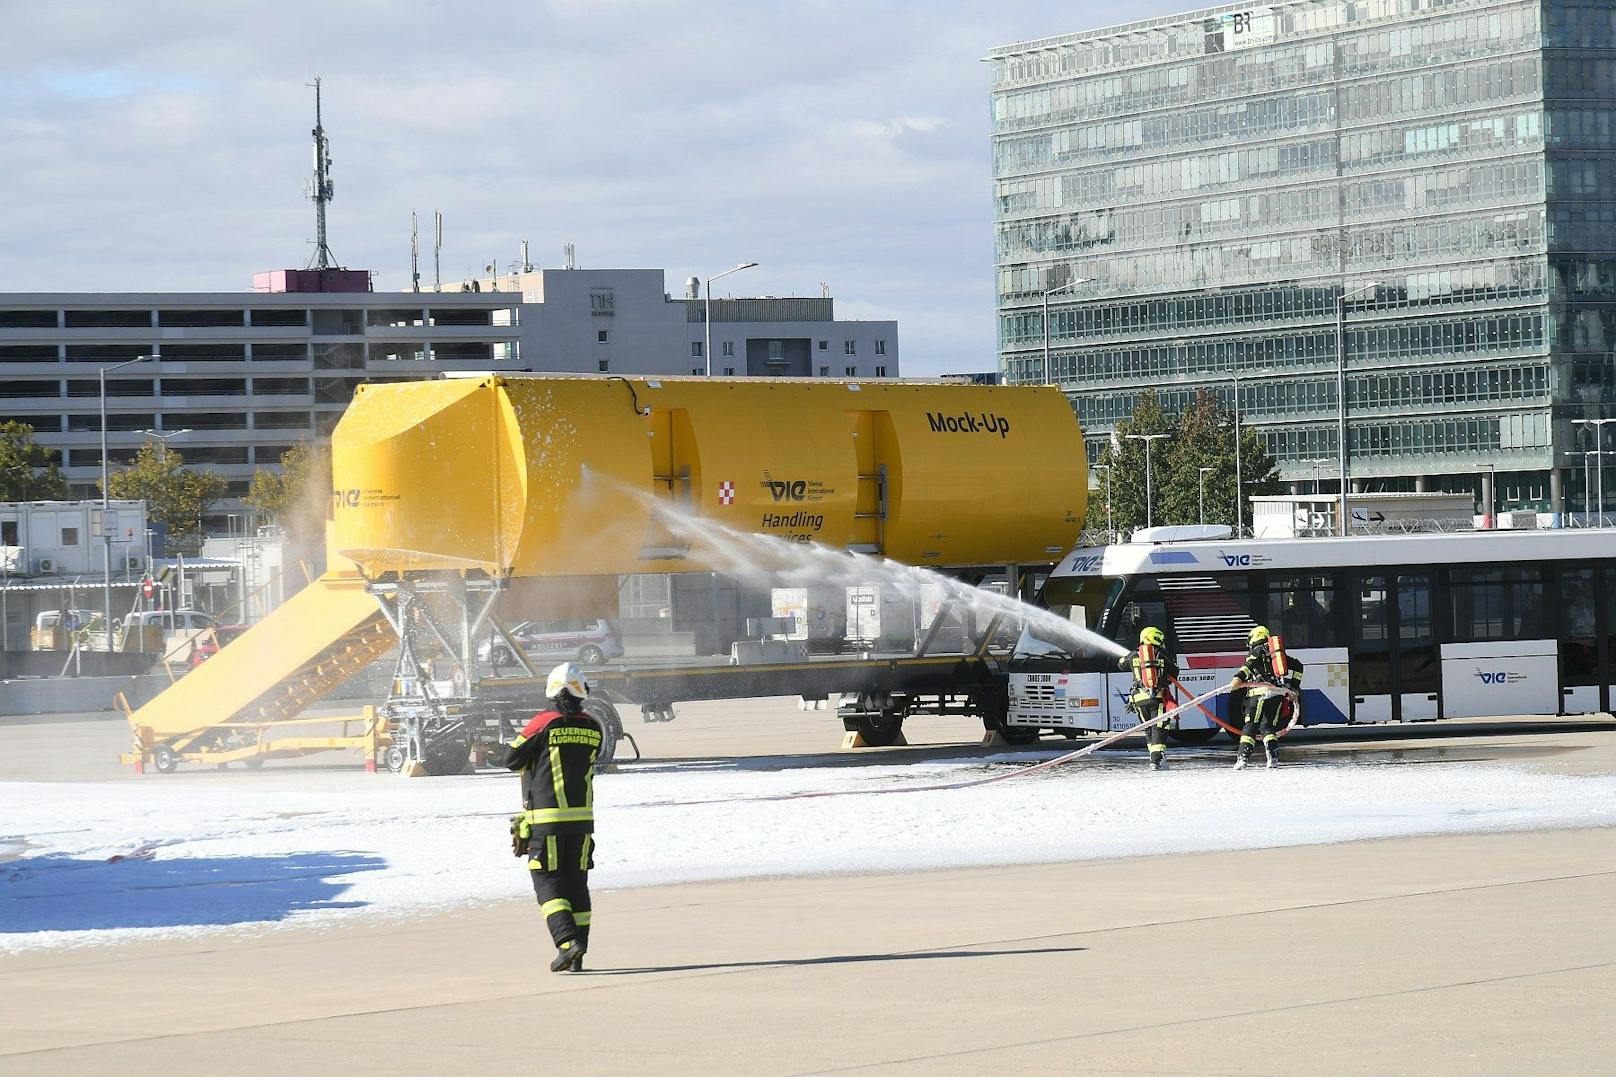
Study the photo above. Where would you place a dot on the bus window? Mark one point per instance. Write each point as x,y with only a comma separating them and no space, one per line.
1206,613
1497,604
1078,599
1301,610
1579,603
1419,663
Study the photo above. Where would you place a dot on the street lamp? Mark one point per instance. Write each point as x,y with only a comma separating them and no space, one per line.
1069,285
1202,482
106,499
1585,480
1599,461
1341,388
1110,533
1149,489
1233,374
707,309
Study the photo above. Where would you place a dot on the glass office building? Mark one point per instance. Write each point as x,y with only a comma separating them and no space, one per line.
1219,179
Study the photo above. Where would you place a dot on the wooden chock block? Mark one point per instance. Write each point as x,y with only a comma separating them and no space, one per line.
853,740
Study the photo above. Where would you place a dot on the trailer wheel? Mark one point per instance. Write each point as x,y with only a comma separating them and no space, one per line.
163,759
1193,738
880,729
446,754
611,727
393,757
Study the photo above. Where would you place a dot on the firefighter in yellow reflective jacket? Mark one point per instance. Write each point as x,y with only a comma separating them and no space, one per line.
1153,673
555,754
1272,682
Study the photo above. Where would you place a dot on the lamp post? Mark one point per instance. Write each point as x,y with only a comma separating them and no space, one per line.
1233,374
1201,480
106,499
1599,460
707,310
1149,488
1585,480
1068,286
1341,389
1110,534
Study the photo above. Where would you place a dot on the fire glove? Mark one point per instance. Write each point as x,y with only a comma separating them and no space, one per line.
521,836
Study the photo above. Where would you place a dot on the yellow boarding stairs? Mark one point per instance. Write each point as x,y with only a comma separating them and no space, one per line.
235,705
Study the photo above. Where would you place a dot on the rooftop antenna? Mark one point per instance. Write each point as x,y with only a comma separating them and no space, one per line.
570,255
415,253
437,251
320,187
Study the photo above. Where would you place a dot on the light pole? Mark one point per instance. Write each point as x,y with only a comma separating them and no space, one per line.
106,498
1149,488
1341,389
1110,534
1599,460
1046,379
1239,487
1202,482
707,310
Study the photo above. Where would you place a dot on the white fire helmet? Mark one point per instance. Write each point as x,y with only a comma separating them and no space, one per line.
566,677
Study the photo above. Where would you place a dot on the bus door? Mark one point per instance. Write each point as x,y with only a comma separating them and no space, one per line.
1588,644
1395,670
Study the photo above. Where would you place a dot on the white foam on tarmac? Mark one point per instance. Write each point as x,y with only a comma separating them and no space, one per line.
164,858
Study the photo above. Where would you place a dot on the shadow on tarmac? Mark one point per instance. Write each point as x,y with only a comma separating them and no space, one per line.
846,959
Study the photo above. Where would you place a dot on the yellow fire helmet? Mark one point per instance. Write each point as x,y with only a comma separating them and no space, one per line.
1258,635
566,677
1152,636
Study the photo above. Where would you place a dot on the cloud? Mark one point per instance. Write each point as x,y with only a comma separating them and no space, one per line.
165,144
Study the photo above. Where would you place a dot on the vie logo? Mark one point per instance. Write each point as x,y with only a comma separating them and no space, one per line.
1236,560
347,499
1499,676
788,491
1086,563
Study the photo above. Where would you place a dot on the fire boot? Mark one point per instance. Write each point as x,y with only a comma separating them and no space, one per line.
1271,749
1158,760
568,954
1244,757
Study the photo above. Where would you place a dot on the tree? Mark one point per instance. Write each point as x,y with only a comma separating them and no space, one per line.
175,496
1203,436
303,481
27,470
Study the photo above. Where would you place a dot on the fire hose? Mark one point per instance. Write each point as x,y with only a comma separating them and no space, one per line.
1233,731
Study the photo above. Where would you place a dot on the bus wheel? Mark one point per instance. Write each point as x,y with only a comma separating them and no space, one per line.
879,729
1018,735
1192,738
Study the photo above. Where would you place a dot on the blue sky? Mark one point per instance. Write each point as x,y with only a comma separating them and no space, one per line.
165,145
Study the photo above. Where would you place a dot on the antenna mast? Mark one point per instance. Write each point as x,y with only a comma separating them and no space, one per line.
415,253
437,250
320,188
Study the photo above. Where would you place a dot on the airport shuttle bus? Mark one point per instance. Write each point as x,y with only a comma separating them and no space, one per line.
1391,628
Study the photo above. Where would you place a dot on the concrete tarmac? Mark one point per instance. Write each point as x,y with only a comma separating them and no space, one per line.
1480,953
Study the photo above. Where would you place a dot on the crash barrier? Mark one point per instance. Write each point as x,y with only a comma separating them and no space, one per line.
73,695
14,664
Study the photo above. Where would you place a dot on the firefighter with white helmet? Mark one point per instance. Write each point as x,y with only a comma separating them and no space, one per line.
1270,678
555,754
1153,671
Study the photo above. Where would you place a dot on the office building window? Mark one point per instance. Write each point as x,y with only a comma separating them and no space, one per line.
695,349
824,345
880,371
600,336
70,536
850,347
824,371
880,347
729,349
852,371
697,370
777,350
729,372
604,365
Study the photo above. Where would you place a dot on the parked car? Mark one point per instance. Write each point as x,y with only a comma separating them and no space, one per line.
207,645
162,631
588,642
